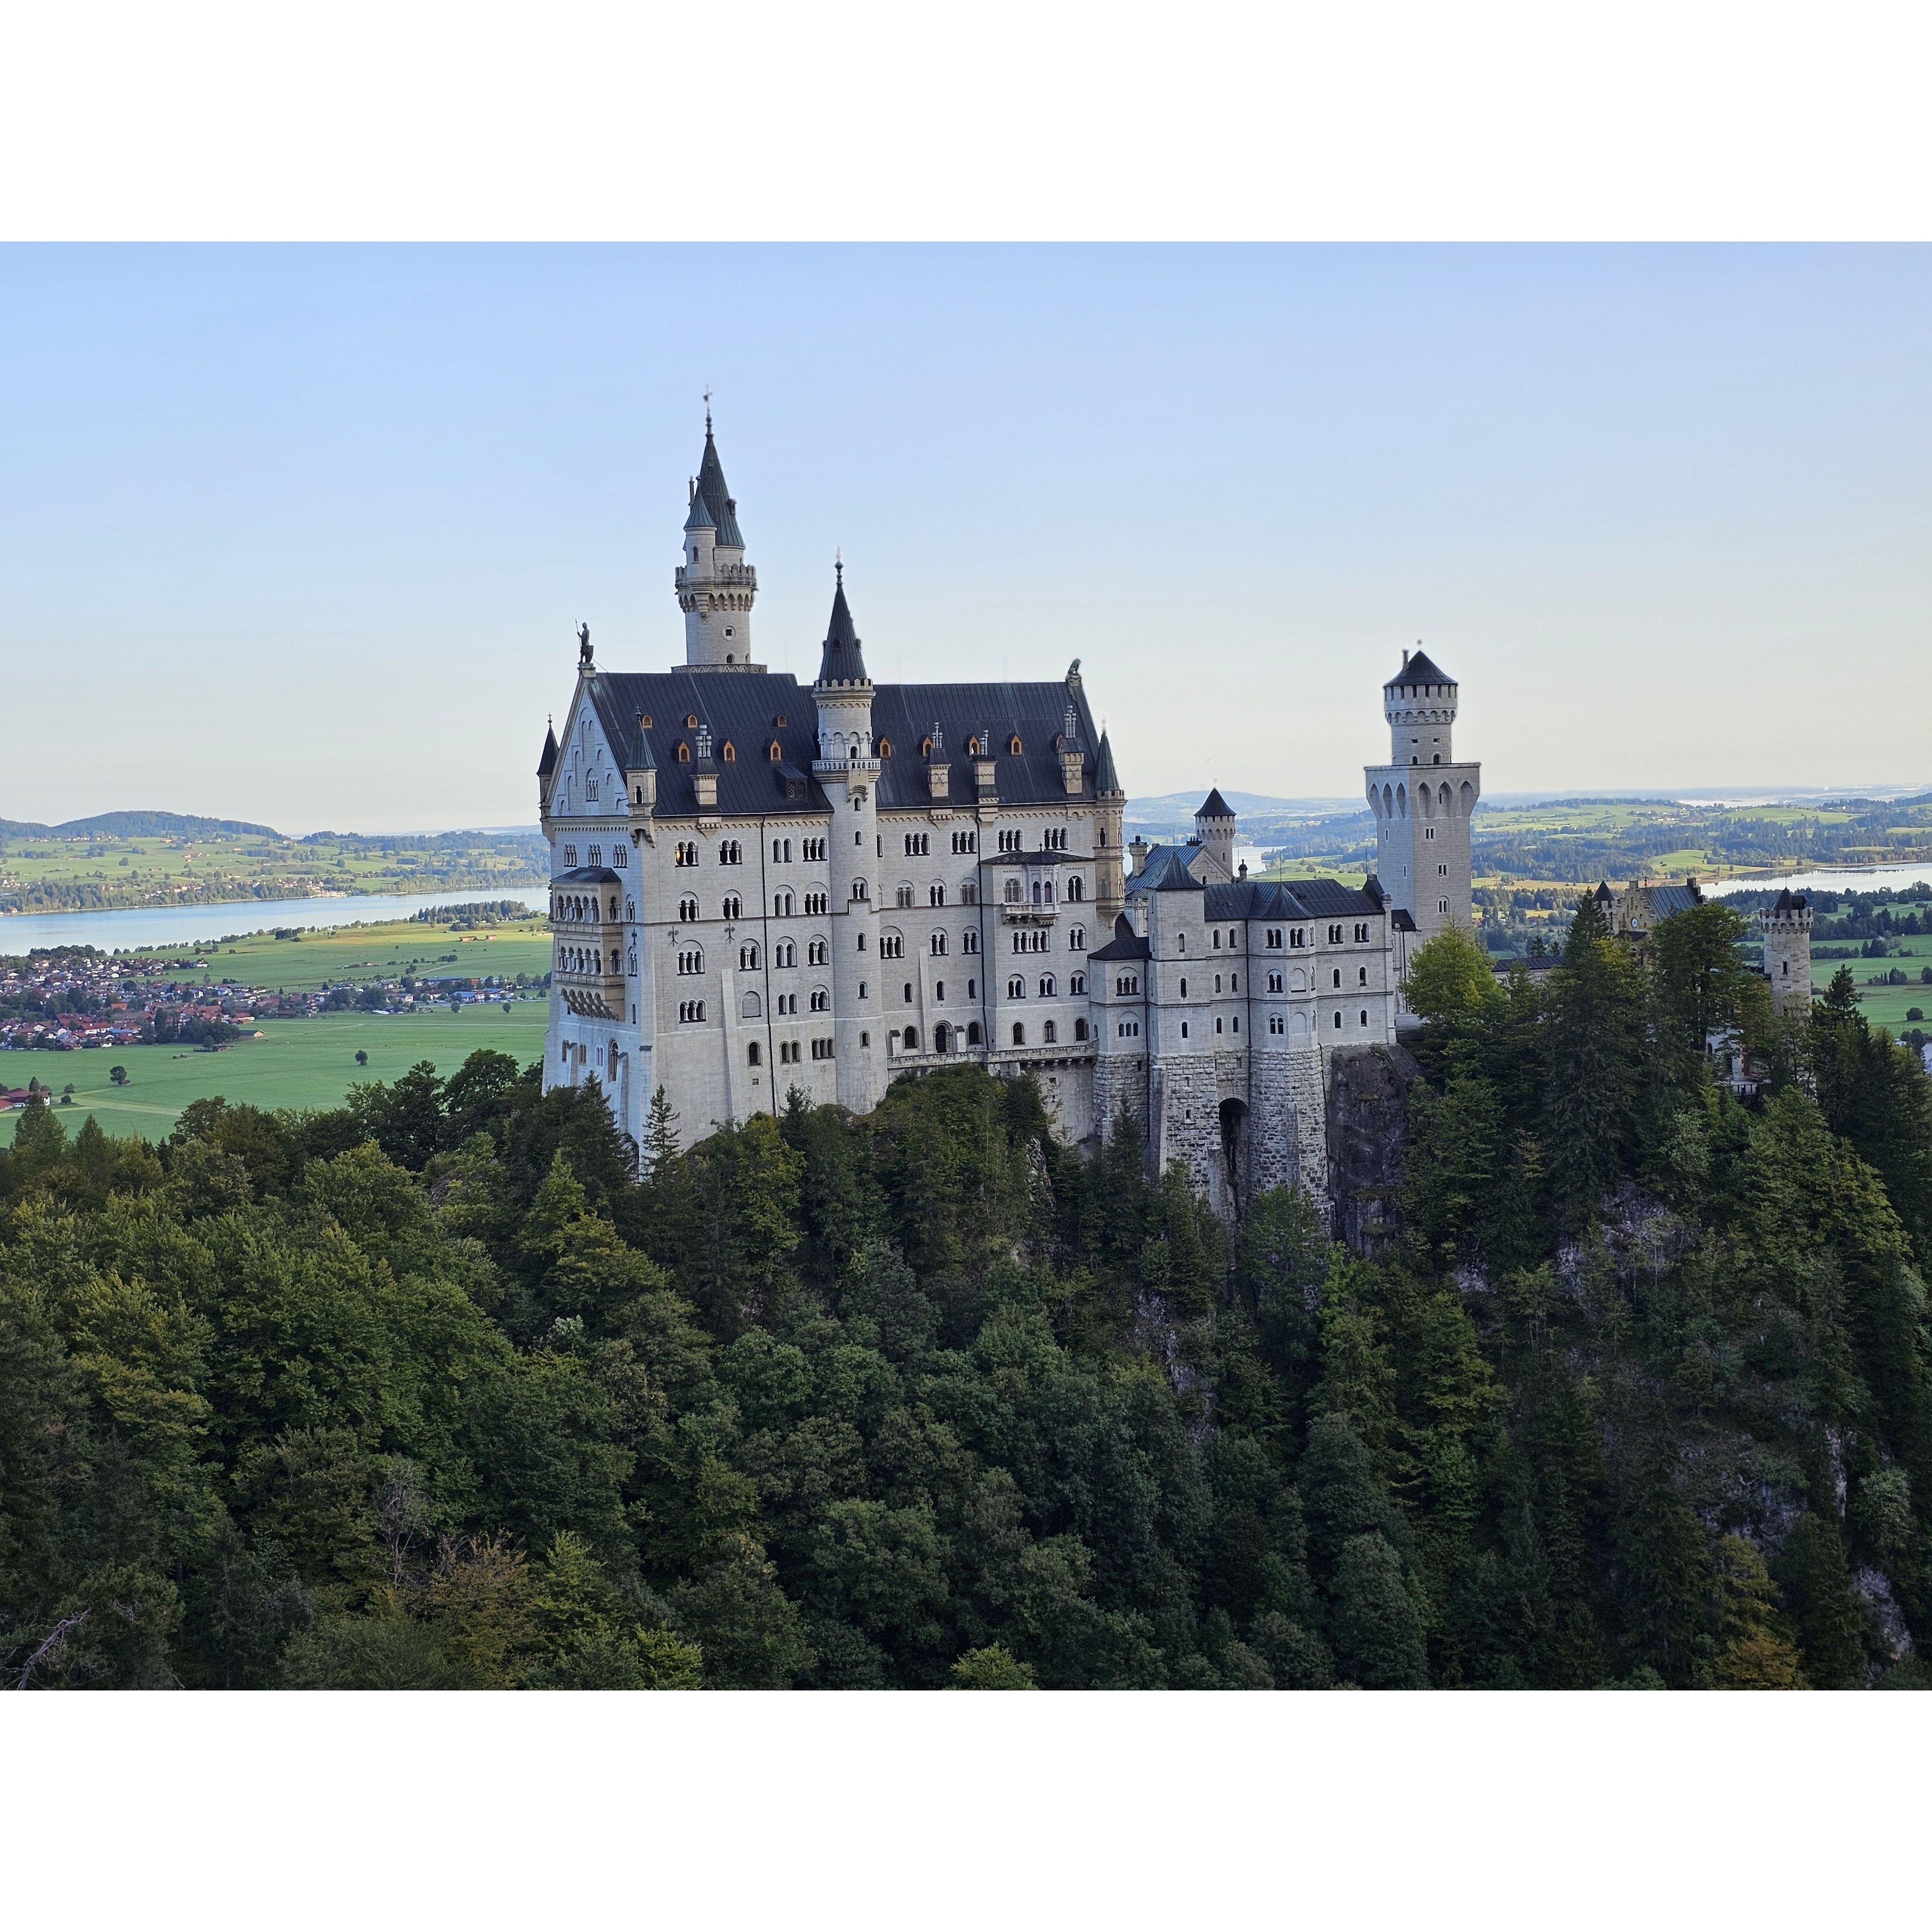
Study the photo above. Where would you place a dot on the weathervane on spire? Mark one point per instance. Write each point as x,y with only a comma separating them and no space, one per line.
839,565
707,409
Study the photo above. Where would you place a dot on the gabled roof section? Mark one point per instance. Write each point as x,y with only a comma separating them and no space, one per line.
1215,806
715,497
1420,669
741,713
1166,871
904,716
1126,943
842,661
548,762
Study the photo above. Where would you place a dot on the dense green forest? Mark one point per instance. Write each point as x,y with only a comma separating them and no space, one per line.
427,1391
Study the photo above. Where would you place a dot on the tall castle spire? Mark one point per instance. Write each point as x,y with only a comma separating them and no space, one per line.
715,586
842,661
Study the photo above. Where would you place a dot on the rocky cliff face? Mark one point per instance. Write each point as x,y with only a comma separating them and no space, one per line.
1368,1131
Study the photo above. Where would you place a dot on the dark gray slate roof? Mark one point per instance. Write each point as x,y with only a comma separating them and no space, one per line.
1166,871
587,875
1419,669
1665,900
904,715
1789,902
1301,898
1106,780
1126,943
742,708
717,498
547,764
841,662
1215,806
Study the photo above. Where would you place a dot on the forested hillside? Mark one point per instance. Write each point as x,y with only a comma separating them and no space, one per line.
426,1391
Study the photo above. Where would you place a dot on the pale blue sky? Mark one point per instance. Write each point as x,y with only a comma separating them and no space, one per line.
303,534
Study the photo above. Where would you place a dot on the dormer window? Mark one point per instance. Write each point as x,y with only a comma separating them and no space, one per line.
683,752
772,752
690,722
644,720
925,748
885,748
730,753
1013,745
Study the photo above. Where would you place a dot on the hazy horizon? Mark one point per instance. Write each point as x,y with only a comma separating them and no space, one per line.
301,536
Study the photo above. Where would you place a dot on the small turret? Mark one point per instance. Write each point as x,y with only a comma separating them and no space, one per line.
1214,830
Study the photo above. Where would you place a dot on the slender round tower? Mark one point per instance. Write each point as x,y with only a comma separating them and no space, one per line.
1787,952
715,586
846,769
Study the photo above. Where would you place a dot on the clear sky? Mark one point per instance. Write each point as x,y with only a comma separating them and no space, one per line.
303,534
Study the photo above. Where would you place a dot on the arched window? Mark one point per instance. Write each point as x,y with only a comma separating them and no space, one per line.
1019,1034
821,1001
1013,745
925,748
936,945
904,896
690,722
1014,892
730,753
683,752
734,907
1076,984
750,1007
935,895
1046,987
912,1039
859,891
1050,1033
687,911
1079,1029
885,748
1016,987
773,752
1181,942
972,1032
756,1055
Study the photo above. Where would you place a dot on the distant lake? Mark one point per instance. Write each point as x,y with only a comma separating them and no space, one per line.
187,926
1830,879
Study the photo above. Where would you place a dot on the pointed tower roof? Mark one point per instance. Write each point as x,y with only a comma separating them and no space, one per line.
548,762
1418,668
1106,780
842,663
701,518
1215,806
715,497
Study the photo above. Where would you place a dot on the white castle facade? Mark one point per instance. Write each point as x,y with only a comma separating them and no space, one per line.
758,885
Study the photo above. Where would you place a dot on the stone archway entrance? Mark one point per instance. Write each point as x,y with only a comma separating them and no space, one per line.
1233,1176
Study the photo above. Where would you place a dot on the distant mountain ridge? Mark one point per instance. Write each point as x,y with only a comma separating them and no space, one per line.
137,825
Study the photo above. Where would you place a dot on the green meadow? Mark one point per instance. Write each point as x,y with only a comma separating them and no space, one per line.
309,1063
359,954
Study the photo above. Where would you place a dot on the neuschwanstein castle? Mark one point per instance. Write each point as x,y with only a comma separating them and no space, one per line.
757,885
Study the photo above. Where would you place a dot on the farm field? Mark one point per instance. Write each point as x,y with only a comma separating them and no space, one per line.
307,1063
143,858
358,954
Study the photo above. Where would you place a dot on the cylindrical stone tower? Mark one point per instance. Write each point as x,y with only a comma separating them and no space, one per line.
846,769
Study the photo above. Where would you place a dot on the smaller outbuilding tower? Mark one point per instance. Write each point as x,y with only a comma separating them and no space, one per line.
1787,953
1214,833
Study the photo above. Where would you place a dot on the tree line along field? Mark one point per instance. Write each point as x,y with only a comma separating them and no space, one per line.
127,859
296,1064
358,954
